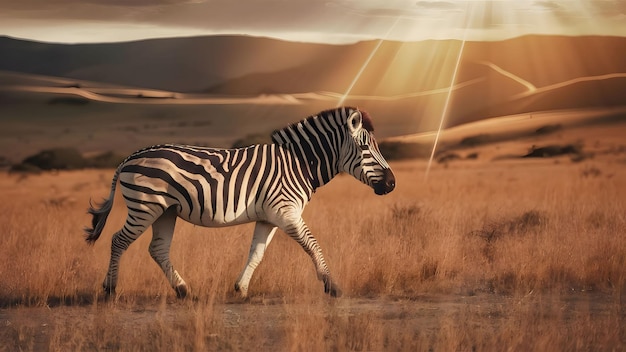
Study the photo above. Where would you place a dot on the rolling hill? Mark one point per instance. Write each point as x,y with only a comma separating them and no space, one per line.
407,83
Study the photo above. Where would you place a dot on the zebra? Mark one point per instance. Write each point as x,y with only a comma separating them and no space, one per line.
269,184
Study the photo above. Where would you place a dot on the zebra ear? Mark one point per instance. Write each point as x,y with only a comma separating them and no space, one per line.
355,122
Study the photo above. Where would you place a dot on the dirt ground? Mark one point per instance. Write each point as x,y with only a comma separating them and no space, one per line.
427,317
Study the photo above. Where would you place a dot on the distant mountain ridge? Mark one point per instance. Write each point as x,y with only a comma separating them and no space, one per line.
175,64
524,74
225,64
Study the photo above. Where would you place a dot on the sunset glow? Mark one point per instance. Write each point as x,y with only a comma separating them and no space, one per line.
329,22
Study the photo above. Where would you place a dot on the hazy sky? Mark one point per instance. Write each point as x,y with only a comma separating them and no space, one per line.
335,21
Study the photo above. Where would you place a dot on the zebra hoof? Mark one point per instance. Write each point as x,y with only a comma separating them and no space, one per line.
181,291
333,290
243,291
108,291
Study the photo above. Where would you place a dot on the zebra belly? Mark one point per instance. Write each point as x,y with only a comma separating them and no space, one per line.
221,217
208,220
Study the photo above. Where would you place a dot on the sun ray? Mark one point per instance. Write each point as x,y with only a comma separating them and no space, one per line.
444,112
366,63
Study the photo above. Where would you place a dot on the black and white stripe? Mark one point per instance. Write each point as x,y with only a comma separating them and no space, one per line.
269,184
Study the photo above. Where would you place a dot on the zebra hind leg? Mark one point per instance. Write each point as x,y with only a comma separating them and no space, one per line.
119,244
137,222
118,247
162,234
263,234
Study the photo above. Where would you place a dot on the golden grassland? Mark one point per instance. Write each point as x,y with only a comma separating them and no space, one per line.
513,254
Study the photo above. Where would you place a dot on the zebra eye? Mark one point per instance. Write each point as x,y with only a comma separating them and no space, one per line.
355,124
364,147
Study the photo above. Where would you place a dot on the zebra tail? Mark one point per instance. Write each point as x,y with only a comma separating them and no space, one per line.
101,213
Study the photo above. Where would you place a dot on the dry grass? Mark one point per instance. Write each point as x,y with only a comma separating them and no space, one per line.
527,255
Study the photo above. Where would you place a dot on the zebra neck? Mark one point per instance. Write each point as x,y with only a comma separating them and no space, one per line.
313,143
317,168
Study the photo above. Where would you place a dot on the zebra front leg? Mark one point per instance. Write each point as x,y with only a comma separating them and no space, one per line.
162,234
263,234
301,233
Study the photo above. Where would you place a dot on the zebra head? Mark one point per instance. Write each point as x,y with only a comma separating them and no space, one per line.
337,140
360,156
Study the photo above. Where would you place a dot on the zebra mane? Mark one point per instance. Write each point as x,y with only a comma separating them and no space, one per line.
332,117
367,121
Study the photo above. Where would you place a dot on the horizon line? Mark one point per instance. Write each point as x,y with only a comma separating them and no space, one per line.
261,36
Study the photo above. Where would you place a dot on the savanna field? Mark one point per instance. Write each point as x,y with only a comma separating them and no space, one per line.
514,239
484,255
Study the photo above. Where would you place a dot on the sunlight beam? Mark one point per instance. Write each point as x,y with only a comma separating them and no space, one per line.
366,63
444,112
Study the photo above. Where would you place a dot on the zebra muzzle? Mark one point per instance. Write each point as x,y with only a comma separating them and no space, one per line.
387,184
